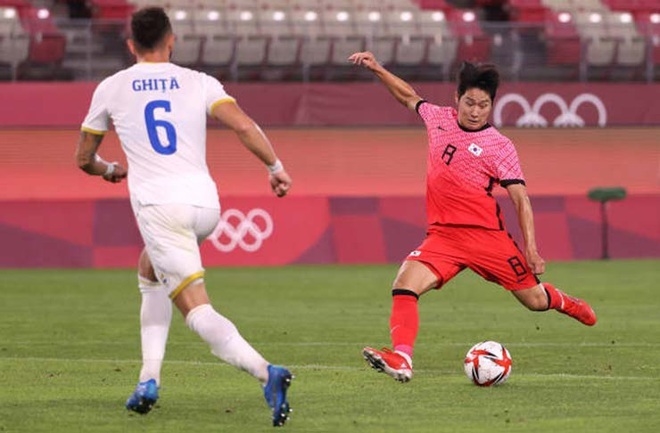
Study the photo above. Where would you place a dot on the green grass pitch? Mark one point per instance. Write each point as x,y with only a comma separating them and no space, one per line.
69,354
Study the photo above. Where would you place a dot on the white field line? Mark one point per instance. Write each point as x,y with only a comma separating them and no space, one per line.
310,367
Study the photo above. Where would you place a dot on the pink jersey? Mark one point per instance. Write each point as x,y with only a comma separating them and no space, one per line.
463,167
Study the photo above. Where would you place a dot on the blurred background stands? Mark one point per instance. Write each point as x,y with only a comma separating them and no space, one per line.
309,40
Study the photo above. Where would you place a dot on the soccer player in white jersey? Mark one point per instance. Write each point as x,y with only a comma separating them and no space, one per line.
467,158
159,111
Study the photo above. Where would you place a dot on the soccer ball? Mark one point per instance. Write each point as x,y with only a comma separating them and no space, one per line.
487,363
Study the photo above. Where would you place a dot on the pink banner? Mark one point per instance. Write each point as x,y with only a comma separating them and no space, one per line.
352,104
309,230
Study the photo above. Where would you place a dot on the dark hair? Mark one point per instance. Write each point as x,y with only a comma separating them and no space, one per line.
149,26
482,76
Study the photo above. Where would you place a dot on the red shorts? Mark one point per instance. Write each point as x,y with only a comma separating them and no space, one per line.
493,254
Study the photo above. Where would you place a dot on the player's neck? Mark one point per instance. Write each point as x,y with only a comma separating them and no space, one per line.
156,56
153,58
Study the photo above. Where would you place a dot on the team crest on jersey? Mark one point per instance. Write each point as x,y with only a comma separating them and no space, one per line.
475,150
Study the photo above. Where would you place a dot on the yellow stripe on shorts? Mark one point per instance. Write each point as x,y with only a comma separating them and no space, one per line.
185,283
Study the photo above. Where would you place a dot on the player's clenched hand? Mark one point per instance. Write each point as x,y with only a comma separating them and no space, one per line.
535,262
117,175
280,183
366,59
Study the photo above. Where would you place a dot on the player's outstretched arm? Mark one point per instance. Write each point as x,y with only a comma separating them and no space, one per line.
91,163
254,139
400,89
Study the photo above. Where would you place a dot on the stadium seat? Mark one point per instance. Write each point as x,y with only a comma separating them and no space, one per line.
217,56
342,48
600,50
337,22
563,44
600,46
410,56
274,22
272,5
631,45
473,43
369,22
209,20
9,19
47,45
306,22
283,58
18,5
634,6
14,41
432,23
335,5
383,48
648,24
250,57
315,56
188,49
183,21
242,22
435,5
251,5
402,23
441,57
112,9
339,26
527,11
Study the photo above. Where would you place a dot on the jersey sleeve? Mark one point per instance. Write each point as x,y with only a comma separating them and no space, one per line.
98,117
507,165
425,110
435,116
215,93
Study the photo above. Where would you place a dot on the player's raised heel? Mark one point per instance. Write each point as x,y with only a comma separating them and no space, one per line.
389,362
279,380
144,397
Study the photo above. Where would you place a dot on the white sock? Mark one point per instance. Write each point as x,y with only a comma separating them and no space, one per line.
226,342
155,319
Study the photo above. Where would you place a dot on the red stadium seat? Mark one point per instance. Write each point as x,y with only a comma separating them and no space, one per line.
528,11
112,9
564,47
633,5
473,43
17,4
648,23
47,43
437,5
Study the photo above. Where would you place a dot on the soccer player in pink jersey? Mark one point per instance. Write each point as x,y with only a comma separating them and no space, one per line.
467,158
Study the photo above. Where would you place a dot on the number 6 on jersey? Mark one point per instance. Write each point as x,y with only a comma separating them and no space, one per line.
153,124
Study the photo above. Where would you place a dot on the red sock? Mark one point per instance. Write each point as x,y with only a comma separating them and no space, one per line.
404,320
555,297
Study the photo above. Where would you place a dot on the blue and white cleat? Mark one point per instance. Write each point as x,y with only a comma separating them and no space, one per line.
144,397
279,380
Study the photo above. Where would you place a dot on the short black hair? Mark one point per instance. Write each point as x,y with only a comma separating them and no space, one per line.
483,76
149,27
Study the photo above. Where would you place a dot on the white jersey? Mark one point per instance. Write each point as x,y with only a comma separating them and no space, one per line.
159,111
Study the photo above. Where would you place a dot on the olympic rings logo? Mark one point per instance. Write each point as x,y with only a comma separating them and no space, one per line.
532,114
237,229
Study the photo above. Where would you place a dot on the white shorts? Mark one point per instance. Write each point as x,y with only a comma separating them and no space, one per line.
172,234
